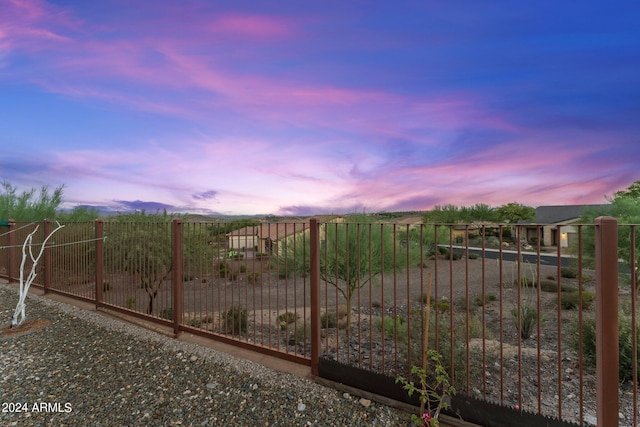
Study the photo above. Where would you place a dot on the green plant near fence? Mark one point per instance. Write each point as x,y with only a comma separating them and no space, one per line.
408,334
235,320
625,340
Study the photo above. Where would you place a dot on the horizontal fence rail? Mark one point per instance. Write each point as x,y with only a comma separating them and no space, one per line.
518,324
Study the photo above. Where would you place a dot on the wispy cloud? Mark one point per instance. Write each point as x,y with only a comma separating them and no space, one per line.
282,108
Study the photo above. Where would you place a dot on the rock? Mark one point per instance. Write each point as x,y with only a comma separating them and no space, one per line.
365,402
301,407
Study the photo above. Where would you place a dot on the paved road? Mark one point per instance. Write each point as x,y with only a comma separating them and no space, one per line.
511,255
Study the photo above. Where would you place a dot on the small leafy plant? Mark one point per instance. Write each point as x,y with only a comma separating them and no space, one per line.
434,390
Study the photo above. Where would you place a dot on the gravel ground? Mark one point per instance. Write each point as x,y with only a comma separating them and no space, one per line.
89,369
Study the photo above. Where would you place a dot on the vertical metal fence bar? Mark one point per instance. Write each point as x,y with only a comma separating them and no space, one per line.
99,262
559,317
483,232
47,258
580,323
452,373
314,266
13,251
607,391
634,324
382,305
539,319
177,260
501,312
467,310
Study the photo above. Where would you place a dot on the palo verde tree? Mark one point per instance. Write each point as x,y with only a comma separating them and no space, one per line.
142,246
352,254
29,205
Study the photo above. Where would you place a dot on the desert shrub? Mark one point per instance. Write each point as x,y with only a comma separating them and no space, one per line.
625,341
473,255
492,242
130,303
235,320
571,300
443,305
253,277
166,313
491,297
223,272
286,318
393,326
524,319
568,272
196,322
303,330
552,286
328,320
243,268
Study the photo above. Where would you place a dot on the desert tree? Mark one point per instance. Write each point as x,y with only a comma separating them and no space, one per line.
625,207
352,254
142,246
29,205
513,212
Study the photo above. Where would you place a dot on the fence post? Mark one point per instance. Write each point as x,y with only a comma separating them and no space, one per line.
607,391
314,253
99,230
177,258
47,257
13,249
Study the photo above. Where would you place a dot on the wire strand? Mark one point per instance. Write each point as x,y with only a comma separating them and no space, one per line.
59,244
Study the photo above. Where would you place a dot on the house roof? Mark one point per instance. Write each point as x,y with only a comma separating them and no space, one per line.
273,230
563,213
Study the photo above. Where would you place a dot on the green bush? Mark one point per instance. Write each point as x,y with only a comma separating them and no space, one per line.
393,326
625,341
303,331
235,320
328,320
568,273
571,300
166,313
130,303
552,286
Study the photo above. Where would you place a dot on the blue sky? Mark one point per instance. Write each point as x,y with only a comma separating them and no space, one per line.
298,108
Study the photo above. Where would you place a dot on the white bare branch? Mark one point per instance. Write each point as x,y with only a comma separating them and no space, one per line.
19,313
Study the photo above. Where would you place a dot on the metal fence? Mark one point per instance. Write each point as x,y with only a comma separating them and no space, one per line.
533,333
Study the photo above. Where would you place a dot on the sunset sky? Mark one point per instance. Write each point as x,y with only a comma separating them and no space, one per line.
304,107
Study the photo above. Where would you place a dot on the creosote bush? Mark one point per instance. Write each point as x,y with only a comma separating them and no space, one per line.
571,300
625,341
235,320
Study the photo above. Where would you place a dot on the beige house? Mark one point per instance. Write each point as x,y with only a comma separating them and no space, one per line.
267,237
557,224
